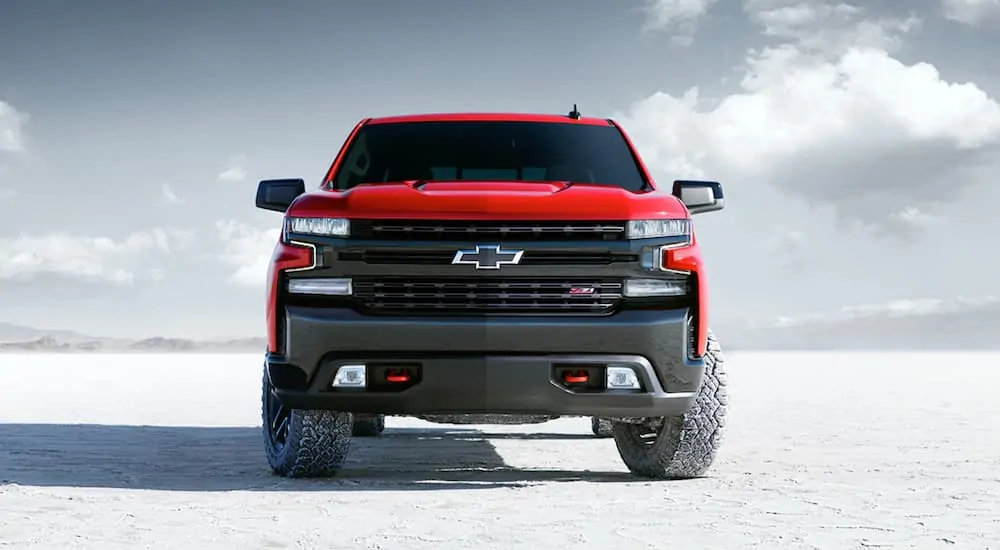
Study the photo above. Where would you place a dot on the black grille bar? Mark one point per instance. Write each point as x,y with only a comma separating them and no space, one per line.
412,230
480,295
410,256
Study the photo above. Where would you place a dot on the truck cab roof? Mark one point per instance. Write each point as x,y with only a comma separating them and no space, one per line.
486,117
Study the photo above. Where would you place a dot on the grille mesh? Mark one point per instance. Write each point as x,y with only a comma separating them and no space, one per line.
477,296
413,230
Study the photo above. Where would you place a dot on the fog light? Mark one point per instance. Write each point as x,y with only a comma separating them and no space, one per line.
640,288
324,286
350,376
621,378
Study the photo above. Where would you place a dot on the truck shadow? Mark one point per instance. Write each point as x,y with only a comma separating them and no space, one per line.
226,459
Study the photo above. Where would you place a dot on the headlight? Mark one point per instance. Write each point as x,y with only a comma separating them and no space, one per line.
648,229
326,227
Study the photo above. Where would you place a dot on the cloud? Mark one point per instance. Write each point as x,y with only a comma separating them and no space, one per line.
788,246
971,12
908,222
248,249
11,129
169,195
87,258
856,130
237,169
678,16
7,194
828,26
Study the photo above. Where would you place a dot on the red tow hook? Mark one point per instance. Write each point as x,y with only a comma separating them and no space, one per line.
581,377
397,377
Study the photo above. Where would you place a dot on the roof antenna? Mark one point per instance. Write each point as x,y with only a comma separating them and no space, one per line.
575,113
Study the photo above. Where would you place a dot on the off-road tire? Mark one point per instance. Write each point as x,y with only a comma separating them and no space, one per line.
602,427
684,446
368,425
315,444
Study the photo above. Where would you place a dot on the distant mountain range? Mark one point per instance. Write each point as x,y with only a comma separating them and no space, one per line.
933,324
956,324
19,339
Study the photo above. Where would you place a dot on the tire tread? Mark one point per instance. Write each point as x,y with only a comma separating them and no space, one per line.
687,445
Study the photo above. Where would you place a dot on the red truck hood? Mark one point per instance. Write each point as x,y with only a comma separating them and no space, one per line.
506,200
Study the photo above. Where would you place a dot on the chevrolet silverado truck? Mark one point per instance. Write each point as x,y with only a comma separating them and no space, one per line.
490,268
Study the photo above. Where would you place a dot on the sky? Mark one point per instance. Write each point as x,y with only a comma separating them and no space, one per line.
858,143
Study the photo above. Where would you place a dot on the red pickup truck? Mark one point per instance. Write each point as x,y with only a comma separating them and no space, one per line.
490,268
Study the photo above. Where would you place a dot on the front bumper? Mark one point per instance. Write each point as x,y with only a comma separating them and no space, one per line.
487,365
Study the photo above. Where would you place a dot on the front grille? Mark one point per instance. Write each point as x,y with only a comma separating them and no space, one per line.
444,257
484,296
417,230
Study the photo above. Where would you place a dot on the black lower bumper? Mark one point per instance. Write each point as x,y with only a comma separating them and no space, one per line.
474,365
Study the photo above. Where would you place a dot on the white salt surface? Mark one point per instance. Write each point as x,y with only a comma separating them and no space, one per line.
829,451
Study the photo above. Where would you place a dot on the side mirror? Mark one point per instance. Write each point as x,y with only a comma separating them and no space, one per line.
699,196
278,195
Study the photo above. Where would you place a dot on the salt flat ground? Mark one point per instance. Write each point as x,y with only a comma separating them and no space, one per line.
824,451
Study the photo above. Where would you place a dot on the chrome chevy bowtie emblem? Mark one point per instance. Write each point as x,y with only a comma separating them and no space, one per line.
487,257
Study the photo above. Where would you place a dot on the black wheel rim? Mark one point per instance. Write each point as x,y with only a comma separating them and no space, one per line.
279,419
648,432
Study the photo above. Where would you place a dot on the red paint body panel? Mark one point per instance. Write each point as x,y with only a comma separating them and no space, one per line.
469,200
689,259
493,200
285,256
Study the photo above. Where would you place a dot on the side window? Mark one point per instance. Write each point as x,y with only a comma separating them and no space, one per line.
356,165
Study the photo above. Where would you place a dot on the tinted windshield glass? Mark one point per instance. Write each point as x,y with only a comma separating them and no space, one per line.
525,151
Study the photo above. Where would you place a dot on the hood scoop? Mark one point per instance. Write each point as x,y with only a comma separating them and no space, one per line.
468,187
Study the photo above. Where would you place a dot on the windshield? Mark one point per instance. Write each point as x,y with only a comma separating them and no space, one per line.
479,150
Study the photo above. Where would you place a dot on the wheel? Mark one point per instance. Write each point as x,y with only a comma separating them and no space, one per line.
368,425
601,427
303,443
681,447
